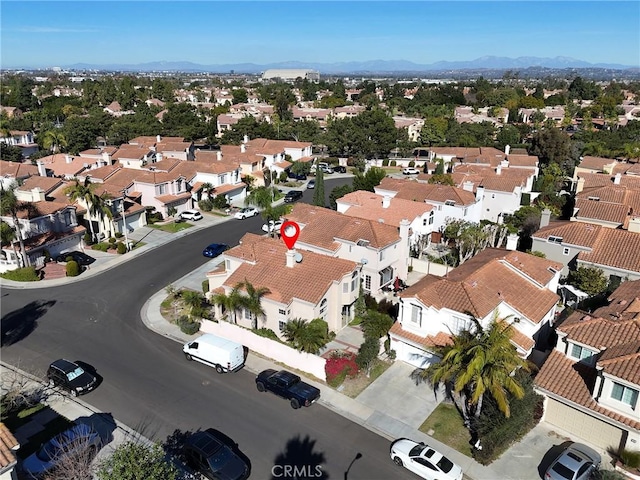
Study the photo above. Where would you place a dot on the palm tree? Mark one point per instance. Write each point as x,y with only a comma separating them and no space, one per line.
54,140
11,206
102,208
207,188
479,361
261,197
306,336
253,301
231,302
84,192
194,300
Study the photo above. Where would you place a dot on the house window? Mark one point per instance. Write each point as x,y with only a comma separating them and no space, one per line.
566,250
553,239
282,311
179,185
323,308
416,315
247,314
580,353
424,222
222,179
281,325
381,254
431,218
624,394
227,265
354,281
161,189
345,287
464,213
367,282
460,324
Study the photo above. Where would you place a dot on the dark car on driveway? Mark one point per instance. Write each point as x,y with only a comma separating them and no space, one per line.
296,176
340,169
71,376
292,195
214,250
82,258
207,453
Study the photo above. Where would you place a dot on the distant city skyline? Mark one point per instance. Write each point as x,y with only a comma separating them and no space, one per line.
48,34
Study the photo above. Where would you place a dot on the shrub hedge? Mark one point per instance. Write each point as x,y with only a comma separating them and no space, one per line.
26,274
187,325
73,269
339,366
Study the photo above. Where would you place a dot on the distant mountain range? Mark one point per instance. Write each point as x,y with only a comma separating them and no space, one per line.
373,66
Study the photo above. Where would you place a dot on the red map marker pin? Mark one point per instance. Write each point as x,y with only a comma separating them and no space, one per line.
289,233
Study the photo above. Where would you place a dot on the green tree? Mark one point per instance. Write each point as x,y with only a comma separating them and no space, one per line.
54,140
306,336
10,153
252,301
318,193
590,280
369,180
440,179
376,324
134,461
338,192
12,207
84,192
194,301
551,146
261,197
239,95
230,302
479,361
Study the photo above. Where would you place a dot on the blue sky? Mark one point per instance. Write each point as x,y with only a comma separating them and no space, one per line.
53,33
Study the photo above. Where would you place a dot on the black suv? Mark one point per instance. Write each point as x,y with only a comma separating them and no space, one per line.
292,196
340,169
206,453
70,376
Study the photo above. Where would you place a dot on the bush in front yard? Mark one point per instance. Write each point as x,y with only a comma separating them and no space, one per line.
339,366
205,286
121,248
205,205
73,269
187,325
26,274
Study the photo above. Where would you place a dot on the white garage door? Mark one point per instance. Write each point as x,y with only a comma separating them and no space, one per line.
583,426
412,355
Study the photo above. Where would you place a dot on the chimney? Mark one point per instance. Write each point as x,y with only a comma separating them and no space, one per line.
512,242
634,225
245,139
105,158
42,171
243,147
37,195
468,186
545,217
386,201
291,258
159,157
617,178
219,155
499,170
507,149
158,138
68,158
580,184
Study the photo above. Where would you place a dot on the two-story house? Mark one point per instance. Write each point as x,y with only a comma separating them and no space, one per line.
15,172
591,379
383,250
518,286
21,139
302,284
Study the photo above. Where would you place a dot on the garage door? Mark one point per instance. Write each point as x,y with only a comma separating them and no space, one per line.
583,426
411,354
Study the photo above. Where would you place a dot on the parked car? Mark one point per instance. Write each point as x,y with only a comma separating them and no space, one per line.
410,171
79,440
296,176
246,213
340,169
214,249
292,195
191,215
311,183
220,353
423,460
271,226
82,258
71,376
289,386
576,462
207,453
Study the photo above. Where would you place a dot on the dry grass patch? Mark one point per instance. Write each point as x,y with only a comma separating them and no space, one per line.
445,425
352,387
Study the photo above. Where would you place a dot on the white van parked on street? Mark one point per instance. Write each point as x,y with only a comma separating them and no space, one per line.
222,354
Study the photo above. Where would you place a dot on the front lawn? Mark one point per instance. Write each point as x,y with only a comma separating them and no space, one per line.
445,425
171,227
352,387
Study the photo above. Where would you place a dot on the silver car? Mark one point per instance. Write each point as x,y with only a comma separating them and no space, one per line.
576,462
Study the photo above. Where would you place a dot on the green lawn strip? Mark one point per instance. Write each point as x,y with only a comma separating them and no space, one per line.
171,227
14,420
51,429
445,425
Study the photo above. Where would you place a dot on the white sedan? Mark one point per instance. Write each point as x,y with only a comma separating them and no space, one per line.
191,215
271,226
246,213
410,171
423,460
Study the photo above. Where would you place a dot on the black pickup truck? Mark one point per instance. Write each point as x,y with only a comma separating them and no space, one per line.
287,385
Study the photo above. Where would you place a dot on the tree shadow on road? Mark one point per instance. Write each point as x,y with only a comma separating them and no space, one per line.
17,325
299,461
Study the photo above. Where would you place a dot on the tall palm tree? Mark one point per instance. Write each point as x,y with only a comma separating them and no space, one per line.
102,208
207,188
11,206
229,302
479,361
84,192
261,197
54,140
306,336
253,300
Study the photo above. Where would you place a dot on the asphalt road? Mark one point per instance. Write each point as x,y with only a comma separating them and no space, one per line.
151,387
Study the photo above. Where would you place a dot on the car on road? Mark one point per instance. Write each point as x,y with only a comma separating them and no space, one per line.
576,462
410,171
191,215
78,441
340,169
271,226
289,386
246,213
207,453
296,176
292,195
423,460
71,376
214,249
311,184
82,258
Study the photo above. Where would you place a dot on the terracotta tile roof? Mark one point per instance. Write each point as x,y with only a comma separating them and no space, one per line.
459,152
596,163
424,192
131,152
44,208
620,194
602,180
572,233
95,152
368,205
17,169
503,183
529,161
441,338
615,248
122,178
48,237
60,165
172,146
268,269
8,444
600,211
480,287
166,199
323,227
165,165
623,303
229,188
47,184
574,382
598,332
